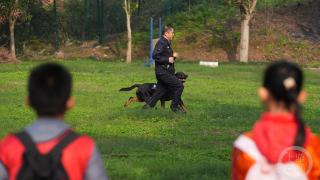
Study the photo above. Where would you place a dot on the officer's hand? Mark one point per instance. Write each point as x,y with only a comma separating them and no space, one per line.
171,60
175,55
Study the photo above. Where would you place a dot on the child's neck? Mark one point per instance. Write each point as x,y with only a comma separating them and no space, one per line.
61,116
277,108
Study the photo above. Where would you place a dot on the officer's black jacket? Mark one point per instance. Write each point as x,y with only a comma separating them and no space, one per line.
161,54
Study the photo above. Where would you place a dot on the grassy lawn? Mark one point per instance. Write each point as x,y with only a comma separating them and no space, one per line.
156,144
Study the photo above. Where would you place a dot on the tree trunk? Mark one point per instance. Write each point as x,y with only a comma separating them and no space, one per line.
139,7
129,50
12,41
244,42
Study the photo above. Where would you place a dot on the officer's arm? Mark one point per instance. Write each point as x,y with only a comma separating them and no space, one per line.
3,172
157,53
95,168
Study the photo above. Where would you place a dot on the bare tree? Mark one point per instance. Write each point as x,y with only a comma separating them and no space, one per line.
128,11
12,10
247,8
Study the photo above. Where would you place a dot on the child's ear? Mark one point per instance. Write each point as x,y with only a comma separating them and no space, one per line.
70,103
263,94
302,97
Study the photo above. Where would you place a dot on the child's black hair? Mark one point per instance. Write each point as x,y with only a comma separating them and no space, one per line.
49,89
284,81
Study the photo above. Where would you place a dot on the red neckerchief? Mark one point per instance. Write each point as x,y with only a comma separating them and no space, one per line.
274,133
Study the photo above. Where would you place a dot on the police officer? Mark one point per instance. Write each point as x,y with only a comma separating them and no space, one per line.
164,68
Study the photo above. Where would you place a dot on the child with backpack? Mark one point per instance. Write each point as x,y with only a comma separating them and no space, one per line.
49,148
280,145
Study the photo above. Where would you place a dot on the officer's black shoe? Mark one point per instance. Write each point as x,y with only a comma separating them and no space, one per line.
177,110
147,106
182,109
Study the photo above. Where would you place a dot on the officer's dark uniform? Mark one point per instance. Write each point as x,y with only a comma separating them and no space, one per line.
165,74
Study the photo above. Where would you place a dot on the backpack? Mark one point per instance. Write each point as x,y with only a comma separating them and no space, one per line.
262,169
37,166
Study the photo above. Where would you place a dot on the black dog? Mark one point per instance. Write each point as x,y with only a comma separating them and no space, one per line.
146,90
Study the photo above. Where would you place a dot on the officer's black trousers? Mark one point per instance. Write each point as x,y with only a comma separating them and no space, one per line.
167,82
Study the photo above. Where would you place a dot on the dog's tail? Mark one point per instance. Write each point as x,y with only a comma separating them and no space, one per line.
129,88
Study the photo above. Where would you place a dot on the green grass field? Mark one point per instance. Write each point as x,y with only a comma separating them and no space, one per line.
156,144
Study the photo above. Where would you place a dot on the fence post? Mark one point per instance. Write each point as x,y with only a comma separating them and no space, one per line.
151,42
